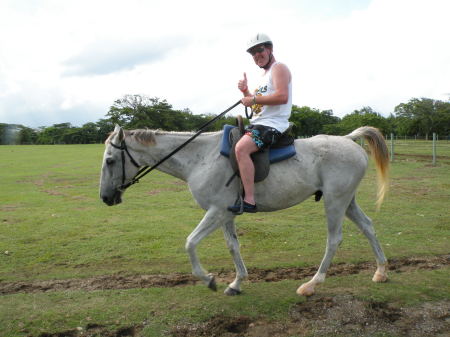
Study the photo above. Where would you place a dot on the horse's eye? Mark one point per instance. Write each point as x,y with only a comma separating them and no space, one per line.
109,161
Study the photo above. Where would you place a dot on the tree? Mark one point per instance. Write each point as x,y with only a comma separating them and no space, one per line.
424,116
443,118
105,127
124,109
310,122
89,133
363,117
56,134
392,125
136,111
9,133
27,135
416,117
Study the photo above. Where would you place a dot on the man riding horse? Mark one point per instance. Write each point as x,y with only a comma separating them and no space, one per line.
271,104
331,165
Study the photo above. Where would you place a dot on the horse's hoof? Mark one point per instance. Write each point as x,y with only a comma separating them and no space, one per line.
305,290
232,292
212,284
379,277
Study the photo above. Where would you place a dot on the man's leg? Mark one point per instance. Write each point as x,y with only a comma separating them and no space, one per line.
244,148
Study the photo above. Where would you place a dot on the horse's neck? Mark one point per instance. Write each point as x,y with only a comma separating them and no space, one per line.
182,163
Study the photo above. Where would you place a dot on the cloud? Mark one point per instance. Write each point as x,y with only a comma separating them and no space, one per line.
379,56
33,107
110,56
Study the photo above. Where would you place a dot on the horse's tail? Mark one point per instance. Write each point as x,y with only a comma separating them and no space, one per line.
380,153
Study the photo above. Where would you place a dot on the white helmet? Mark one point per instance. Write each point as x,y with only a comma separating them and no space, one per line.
258,39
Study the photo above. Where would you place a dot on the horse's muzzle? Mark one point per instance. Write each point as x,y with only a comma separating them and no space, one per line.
115,199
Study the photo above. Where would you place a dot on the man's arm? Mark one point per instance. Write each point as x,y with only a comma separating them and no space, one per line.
281,77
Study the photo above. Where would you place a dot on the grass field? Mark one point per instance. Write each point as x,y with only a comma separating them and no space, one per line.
54,229
421,148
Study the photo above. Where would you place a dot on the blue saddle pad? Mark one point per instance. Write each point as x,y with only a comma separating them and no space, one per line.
275,155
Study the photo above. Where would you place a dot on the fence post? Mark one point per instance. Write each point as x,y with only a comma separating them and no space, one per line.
434,148
392,147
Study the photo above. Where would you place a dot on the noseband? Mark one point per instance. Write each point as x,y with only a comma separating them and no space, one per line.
124,149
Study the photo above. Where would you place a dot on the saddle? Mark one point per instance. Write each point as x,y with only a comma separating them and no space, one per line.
282,150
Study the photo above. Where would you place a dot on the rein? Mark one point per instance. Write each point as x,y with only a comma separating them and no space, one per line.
247,115
146,169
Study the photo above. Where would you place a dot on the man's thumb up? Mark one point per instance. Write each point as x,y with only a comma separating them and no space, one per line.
242,85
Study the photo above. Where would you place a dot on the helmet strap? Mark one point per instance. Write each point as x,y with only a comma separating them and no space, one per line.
268,64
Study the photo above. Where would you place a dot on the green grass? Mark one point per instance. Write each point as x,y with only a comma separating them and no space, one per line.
54,226
163,308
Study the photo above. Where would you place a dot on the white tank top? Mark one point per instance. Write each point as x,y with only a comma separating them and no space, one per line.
275,116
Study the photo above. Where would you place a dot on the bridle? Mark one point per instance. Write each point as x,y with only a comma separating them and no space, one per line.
144,170
124,149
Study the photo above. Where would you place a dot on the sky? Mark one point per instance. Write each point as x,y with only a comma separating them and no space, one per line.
69,60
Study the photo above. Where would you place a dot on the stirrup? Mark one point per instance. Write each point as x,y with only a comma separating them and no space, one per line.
241,207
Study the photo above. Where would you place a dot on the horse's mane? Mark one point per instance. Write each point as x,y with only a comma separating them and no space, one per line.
143,136
148,137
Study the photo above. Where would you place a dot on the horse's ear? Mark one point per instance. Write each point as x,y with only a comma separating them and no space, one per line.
120,133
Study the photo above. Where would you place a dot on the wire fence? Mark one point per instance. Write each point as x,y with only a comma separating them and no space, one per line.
433,150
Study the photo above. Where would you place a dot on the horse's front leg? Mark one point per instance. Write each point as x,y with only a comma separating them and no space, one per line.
210,222
229,231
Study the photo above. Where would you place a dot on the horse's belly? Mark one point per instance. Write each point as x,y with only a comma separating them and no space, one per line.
287,185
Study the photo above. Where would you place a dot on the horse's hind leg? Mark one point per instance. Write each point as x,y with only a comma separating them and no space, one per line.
335,209
229,231
355,214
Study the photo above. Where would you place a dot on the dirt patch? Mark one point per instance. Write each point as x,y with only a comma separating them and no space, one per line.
179,279
55,193
342,315
8,208
216,326
343,269
99,283
421,156
96,330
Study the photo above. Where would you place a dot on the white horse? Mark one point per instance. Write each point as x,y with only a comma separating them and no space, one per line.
334,165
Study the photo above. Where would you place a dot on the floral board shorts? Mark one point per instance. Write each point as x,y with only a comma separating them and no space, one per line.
263,136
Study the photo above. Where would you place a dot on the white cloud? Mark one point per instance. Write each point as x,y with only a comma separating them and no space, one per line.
109,56
380,56
69,60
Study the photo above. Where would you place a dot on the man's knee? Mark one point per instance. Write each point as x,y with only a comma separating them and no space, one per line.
245,147
240,152
240,148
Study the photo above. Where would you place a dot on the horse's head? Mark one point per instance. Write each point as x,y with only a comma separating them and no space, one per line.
118,169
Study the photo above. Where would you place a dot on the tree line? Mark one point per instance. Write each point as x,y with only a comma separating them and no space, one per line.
418,117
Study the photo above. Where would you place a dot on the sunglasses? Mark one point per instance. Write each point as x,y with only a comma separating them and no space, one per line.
255,50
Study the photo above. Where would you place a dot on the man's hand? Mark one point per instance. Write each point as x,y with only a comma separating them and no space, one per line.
247,101
242,85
